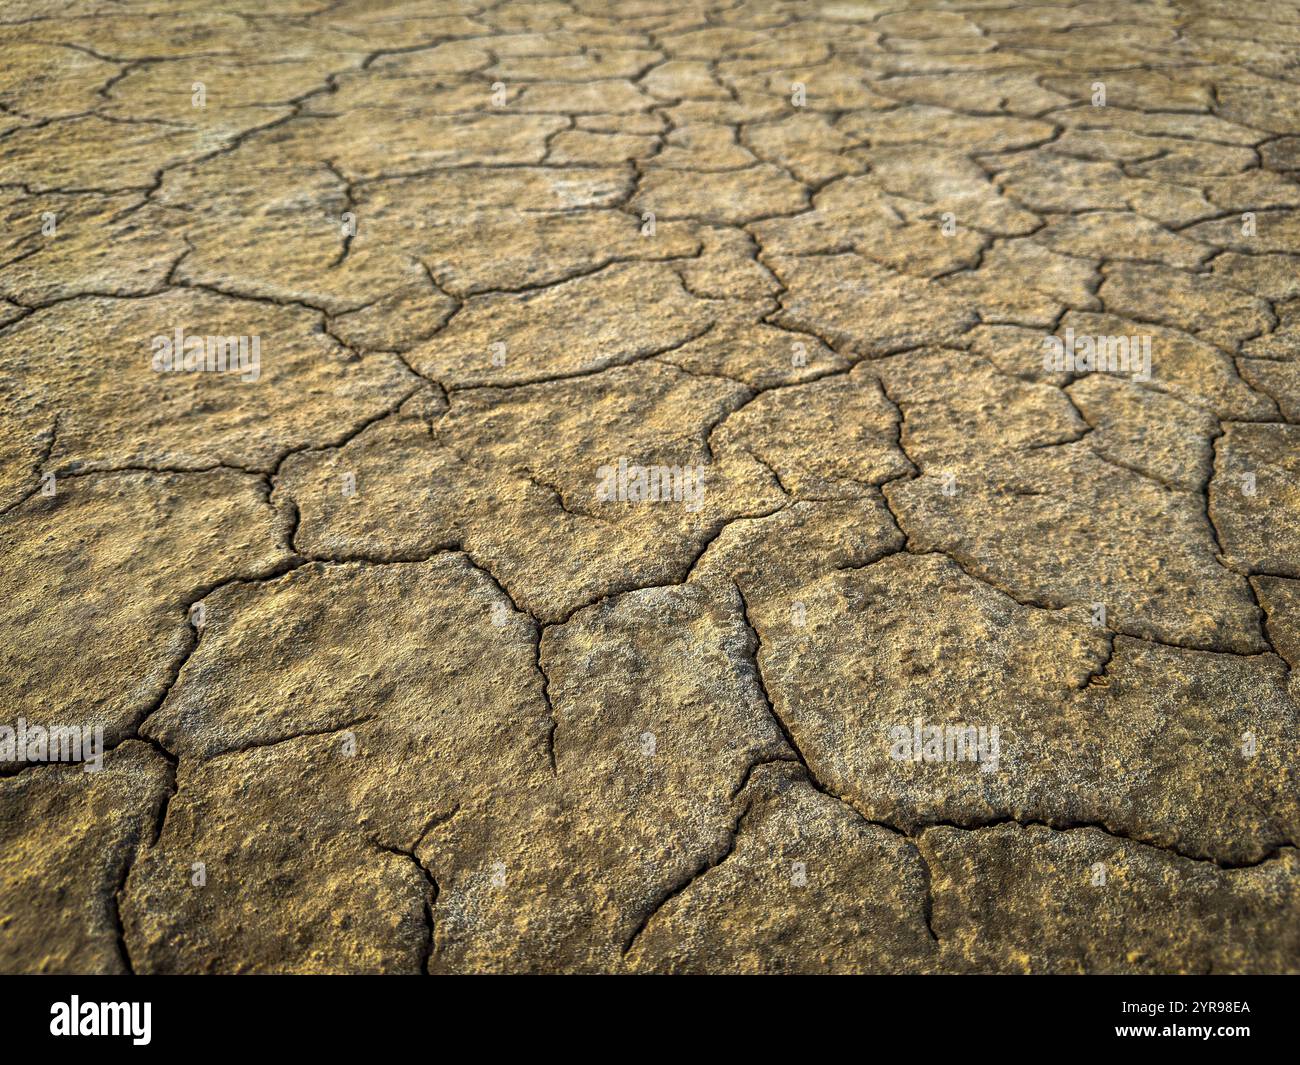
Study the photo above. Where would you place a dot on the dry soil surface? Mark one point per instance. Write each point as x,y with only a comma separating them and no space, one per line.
642,437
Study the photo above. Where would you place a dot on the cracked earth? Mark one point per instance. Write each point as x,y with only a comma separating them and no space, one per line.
386,684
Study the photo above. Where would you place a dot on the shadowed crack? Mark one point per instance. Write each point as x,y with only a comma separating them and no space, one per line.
706,866
755,649
431,894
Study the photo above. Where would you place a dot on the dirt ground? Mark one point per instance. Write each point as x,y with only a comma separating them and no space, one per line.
649,486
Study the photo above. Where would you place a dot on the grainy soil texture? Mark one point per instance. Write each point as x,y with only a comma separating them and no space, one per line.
613,486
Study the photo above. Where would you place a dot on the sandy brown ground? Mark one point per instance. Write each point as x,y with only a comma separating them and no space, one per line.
393,676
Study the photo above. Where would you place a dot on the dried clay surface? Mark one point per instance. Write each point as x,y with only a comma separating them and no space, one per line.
619,486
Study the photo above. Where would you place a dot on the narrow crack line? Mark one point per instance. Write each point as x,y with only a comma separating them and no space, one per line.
1221,556
968,568
555,493
754,767
434,822
326,313
615,364
578,273
1100,677
1147,475
346,437
30,309
1056,607
192,638
292,525
349,207
761,390
129,468
689,566
539,631
500,586
38,467
431,892
706,866
174,765
927,902
159,824
772,472
900,427
1275,851
51,443
115,908
272,572
296,110
259,745
755,648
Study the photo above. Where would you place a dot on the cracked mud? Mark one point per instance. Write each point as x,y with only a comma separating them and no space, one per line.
400,660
